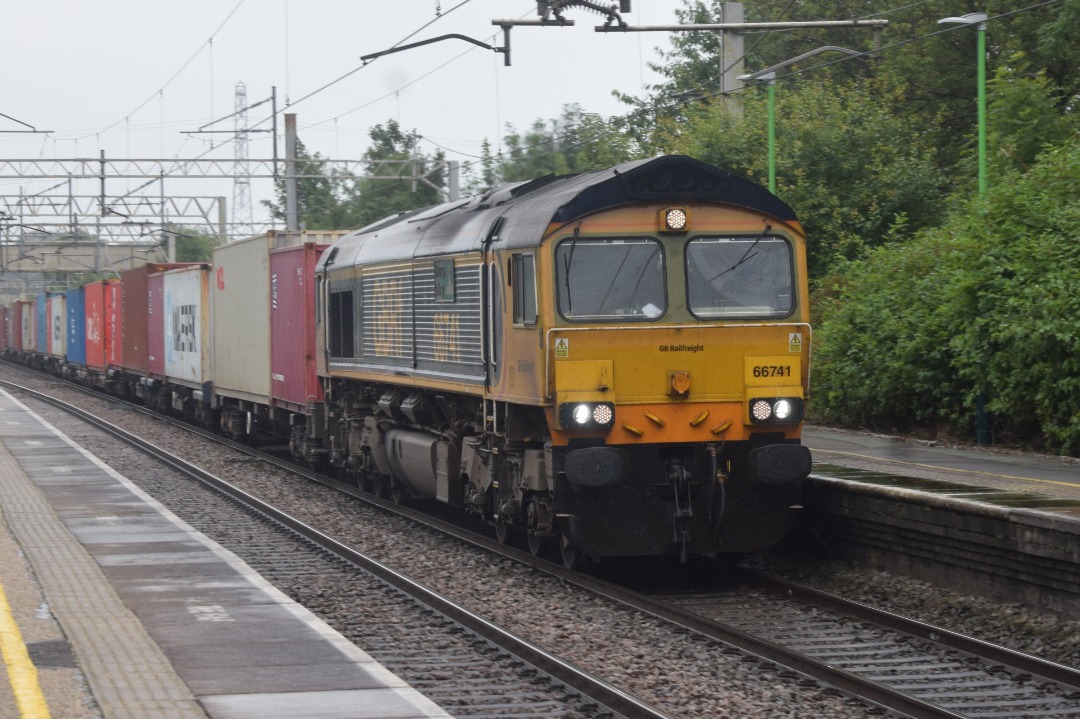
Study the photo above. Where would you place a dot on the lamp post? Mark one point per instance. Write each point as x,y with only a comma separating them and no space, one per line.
770,79
768,75
978,19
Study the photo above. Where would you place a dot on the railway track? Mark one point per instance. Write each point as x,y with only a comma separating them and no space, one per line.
891,664
461,661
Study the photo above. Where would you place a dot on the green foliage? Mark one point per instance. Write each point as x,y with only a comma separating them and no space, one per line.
399,178
575,142
193,246
858,174
987,303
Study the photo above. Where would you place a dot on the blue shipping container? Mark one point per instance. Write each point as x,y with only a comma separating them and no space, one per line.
76,326
41,337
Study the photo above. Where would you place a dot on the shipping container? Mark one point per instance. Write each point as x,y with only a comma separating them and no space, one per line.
23,325
41,323
155,326
76,333
188,351
242,319
295,381
5,327
134,304
94,319
114,344
56,308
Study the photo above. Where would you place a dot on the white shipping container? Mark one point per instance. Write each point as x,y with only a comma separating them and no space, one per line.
187,324
242,319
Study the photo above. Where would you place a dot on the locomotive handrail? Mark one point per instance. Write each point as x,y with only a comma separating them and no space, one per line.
549,392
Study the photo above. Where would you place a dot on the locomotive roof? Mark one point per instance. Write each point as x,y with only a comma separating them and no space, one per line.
517,215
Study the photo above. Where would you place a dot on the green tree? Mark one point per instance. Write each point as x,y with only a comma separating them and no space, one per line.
985,304
320,197
193,245
858,174
574,142
399,177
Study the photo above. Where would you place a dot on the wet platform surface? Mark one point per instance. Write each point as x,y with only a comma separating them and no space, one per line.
162,621
990,475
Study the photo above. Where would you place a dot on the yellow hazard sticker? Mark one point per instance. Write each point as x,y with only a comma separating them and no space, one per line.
794,342
562,347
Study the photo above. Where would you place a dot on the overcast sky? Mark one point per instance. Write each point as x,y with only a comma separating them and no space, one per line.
132,77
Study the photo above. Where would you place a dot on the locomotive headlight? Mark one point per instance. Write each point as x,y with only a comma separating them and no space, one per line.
782,409
674,219
586,415
776,410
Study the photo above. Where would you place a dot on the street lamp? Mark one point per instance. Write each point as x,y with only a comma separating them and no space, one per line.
978,19
768,75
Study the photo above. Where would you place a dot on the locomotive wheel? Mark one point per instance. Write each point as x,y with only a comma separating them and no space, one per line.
398,494
571,555
503,532
381,487
537,544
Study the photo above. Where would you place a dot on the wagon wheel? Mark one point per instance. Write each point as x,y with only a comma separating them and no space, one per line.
398,493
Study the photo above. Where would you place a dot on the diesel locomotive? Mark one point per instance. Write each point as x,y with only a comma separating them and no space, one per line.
613,363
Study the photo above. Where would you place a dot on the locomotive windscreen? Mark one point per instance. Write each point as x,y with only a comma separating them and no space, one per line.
740,277
610,279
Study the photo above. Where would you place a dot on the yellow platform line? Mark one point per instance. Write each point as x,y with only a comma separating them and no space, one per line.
21,671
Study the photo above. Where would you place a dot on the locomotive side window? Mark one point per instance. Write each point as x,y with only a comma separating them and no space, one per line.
340,324
610,279
523,278
740,277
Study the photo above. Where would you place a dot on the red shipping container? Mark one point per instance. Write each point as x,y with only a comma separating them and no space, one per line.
114,344
16,336
5,327
134,302
155,325
294,380
94,311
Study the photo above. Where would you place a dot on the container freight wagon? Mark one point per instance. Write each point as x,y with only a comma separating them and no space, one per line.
241,348
56,309
5,328
102,315
41,324
75,332
180,353
259,288
134,306
26,325
293,366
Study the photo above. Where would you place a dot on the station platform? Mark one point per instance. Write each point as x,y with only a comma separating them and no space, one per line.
110,606
996,523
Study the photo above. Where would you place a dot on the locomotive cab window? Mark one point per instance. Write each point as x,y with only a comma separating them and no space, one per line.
610,279
523,280
735,277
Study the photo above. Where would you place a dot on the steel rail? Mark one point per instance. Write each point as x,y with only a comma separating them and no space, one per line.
561,671
850,683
